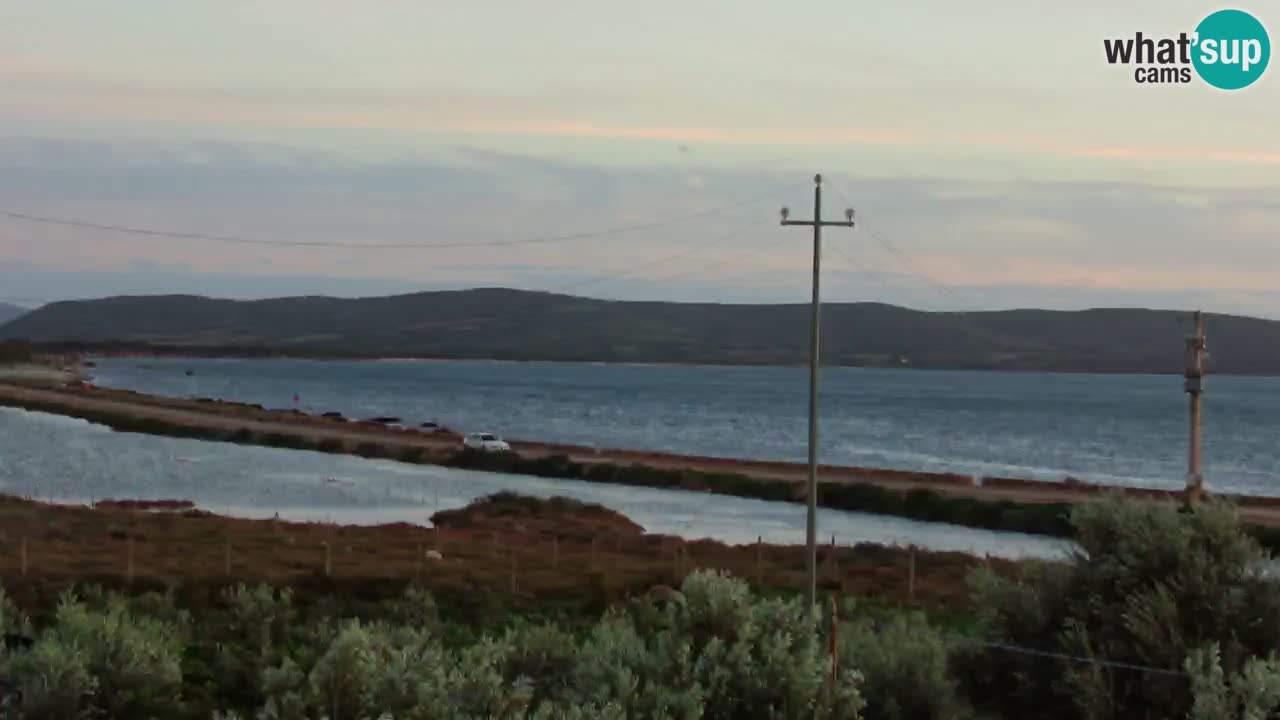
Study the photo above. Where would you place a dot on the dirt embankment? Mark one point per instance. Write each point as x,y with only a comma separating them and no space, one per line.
238,422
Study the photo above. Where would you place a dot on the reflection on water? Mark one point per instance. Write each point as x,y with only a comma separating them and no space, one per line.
62,459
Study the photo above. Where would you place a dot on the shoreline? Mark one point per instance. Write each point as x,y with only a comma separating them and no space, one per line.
993,503
90,352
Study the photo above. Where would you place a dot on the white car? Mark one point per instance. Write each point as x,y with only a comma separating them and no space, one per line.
485,442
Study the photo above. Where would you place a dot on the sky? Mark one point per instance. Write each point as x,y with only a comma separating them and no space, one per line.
993,157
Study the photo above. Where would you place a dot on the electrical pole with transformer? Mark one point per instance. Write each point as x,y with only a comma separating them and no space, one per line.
1194,386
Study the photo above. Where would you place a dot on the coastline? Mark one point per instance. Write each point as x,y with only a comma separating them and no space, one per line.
89,351
993,503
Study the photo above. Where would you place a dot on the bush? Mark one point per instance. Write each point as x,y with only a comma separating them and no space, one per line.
107,663
416,609
253,633
1254,692
904,668
543,657
11,619
372,671
1147,586
372,450
54,681
600,473
720,654
470,459
243,436
283,440
15,351
411,455
331,445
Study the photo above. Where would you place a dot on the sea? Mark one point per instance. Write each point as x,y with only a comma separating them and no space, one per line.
1115,429
1119,429
67,460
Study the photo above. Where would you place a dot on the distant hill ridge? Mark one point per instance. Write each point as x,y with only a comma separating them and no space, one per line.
9,312
505,324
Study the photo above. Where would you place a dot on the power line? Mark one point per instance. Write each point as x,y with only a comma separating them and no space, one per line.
635,270
855,266
734,260
945,292
731,260
240,240
1082,659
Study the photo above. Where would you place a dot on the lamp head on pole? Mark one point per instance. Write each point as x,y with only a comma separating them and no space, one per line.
785,213
848,214
817,179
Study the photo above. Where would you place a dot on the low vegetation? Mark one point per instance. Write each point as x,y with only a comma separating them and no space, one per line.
15,351
511,511
1160,614
919,504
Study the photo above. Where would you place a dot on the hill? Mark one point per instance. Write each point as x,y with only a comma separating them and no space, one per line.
520,325
9,312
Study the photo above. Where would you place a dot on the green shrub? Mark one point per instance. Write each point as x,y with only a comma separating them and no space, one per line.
411,455
416,608
108,663
903,664
370,449
555,466
373,670
719,654
243,436
253,632
1254,692
470,459
284,440
11,619
331,445
54,680
1148,586
544,657
599,472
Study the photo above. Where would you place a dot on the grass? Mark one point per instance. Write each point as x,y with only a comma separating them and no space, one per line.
511,553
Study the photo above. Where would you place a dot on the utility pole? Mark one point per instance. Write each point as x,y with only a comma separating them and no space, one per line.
1195,388
817,223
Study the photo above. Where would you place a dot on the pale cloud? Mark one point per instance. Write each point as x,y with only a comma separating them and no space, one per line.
1020,170
479,116
1083,239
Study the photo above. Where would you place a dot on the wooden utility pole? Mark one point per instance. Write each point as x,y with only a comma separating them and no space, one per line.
1195,388
817,223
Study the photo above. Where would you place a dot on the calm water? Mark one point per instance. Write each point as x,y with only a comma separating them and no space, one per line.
63,459
1115,429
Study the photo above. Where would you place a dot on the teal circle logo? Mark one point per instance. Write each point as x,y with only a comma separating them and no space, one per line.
1231,49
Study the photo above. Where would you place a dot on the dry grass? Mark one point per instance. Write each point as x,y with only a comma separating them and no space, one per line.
519,564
